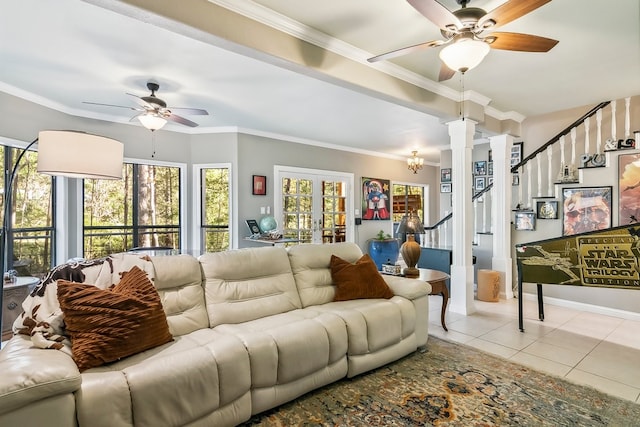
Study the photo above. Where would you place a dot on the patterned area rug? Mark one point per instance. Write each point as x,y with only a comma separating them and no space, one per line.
453,385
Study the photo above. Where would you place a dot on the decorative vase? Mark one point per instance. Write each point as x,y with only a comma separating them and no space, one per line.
383,251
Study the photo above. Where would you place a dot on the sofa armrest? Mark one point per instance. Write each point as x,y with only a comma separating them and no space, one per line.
30,374
407,288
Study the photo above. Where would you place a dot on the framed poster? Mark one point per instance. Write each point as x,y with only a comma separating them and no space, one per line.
445,187
259,185
629,188
515,179
480,168
253,226
490,168
445,175
516,153
375,199
547,209
525,221
585,209
479,183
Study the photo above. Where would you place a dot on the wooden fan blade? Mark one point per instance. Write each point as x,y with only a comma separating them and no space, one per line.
437,13
445,73
191,111
509,11
181,120
111,105
406,50
521,42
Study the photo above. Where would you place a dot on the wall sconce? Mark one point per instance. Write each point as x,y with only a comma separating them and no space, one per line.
415,163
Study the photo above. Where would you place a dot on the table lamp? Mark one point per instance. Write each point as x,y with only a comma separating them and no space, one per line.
410,250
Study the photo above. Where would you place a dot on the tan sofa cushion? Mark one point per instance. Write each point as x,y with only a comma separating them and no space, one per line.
178,279
248,284
107,325
359,280
310,266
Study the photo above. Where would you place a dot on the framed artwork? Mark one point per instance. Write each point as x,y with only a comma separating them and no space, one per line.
253,226
259,185
629,188
515,179
445,188
479,183
445,175
547,209
375,199
480,168
490,168
516,153
585,209
525,221
489,181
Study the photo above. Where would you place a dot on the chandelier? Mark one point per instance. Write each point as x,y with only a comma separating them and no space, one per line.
414,163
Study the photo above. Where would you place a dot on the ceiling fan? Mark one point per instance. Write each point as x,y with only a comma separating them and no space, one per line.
153,111
463,32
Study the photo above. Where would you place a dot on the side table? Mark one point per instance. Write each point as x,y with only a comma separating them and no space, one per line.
438,281
14,294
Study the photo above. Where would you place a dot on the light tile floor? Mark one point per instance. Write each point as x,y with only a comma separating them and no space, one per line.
586,348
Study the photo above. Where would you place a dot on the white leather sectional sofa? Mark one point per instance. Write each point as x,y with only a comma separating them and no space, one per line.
253,328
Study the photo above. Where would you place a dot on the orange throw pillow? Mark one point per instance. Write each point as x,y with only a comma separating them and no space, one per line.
359,280
107,325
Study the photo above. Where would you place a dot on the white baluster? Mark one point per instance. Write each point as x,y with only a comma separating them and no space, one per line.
627,118
599,131
475,222
538,158
521,186
613,121
485,215
587,121
529,193
573,147
549,171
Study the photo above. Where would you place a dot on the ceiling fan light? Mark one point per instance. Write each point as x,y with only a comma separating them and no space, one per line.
152,121
465,54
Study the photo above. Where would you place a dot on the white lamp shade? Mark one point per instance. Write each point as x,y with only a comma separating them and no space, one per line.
464,54
79,155
152,121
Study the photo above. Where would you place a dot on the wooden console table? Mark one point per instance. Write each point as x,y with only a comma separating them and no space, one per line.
438,281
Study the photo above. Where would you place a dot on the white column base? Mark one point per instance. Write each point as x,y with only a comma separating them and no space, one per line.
461,295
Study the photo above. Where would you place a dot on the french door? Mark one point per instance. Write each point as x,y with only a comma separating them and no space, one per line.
314,206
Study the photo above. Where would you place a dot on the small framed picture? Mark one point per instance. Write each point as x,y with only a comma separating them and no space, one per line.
490,168
547,209
490,180
525,221
516,153
253,226
480,168
479,183
515,179
445,188
259,185
445,175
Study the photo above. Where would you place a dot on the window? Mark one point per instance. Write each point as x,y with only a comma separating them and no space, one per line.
215,212
30,231
407,198
141,210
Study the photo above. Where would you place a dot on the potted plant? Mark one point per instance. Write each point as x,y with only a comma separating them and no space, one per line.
383,249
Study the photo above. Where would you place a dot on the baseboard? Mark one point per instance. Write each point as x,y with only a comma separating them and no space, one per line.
607,311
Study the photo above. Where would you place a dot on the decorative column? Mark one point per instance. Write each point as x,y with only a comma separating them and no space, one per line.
501,212
461,133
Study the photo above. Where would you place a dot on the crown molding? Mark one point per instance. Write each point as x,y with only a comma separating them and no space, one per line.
296,29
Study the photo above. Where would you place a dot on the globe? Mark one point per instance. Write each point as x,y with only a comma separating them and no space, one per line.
268,224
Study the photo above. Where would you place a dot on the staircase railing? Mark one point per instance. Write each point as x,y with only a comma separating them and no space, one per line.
524,161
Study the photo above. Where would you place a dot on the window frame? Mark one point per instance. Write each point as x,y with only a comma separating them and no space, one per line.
182,223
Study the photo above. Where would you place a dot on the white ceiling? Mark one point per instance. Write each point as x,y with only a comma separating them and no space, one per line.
68,51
